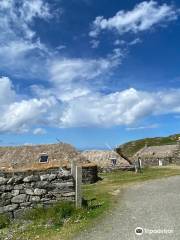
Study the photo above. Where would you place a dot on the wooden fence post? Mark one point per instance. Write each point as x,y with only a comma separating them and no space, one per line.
78,181
73,169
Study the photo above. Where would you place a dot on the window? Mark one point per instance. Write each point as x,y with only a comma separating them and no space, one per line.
43,158
113,161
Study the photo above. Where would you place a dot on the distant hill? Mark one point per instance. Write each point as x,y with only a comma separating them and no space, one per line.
130,148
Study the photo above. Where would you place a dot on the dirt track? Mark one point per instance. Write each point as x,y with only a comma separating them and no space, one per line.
152,205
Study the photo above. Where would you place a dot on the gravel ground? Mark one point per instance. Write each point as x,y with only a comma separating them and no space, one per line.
152,205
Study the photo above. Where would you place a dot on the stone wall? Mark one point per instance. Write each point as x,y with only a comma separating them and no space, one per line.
89,174
24,190
155,162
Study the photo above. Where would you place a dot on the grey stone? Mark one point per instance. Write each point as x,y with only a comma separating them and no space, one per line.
8,208
19,199
21,212
15,192
52,177
42,184
35,199
6,188
31,178
44,177
29,191
39,192
15,179
3,180
62,185
48,177
69,194
5,202
19,187
6,196
22,191
26,204
33,184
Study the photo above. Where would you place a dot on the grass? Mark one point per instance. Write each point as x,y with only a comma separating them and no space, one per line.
62,221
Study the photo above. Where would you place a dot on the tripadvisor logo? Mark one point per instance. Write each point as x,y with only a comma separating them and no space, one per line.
139,231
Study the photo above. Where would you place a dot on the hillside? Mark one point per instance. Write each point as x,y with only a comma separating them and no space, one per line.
130,148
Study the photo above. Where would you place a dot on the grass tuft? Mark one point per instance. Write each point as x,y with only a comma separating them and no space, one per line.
4,221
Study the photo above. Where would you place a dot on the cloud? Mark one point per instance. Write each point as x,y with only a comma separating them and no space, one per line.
7,93
16,19
143,17
122,108
18,113
39,131
75,77
94,43
20,45
20,116
152,126
69,70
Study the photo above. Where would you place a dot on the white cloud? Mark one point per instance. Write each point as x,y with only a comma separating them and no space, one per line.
81,109
7,93
120,108
20,45
16,19
69,70
151,126
39,131
135,41
72,78
94,43
144,16
19,116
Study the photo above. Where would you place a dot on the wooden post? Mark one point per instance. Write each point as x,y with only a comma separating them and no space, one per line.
73,169
78,181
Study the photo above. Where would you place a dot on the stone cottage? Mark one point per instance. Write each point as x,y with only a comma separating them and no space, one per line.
105,159
39,156
159,155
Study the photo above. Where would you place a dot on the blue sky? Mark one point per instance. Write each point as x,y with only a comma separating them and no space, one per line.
88,72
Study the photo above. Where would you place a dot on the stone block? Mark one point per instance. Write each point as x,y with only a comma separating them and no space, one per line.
19,198
8,208
15,192
29,191
3,180
6,196
15,180
31,178
48,177
69,194
19,187
39,192
35,199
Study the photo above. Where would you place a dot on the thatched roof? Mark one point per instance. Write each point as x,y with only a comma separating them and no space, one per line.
27,157
103,158
157,151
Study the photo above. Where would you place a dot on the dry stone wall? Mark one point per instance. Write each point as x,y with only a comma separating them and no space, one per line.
22,191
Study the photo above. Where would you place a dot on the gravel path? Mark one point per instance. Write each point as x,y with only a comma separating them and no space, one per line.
152,205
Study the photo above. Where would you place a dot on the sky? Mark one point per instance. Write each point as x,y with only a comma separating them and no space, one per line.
86,72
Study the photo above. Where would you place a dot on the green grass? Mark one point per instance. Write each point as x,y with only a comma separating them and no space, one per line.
62,221
4,221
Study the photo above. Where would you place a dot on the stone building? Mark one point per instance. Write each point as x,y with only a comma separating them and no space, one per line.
105,159
39,156
159,155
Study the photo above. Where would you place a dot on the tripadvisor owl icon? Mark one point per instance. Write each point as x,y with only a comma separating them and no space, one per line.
138,231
